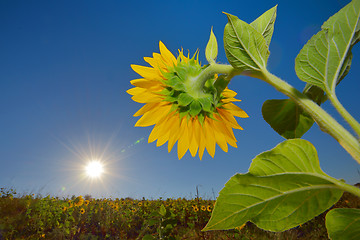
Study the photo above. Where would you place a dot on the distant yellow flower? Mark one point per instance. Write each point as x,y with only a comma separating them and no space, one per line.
86,202
82,210
209,208
195,208
203,208
196,115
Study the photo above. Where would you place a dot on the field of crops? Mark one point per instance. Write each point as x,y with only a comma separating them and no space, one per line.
35,217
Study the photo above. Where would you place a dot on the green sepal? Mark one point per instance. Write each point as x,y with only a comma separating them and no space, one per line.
174,107
175,83
195,108
205,103
182,113
201,118
168,75
211,115
170,99
166,92
184,99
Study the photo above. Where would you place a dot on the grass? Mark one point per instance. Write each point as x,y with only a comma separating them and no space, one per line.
35,217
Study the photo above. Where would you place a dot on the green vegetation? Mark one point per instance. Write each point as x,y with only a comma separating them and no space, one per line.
35,217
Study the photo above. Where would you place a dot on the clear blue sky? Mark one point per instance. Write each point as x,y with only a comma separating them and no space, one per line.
64,70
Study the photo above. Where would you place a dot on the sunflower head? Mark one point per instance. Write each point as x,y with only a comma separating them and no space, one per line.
190,98
185,103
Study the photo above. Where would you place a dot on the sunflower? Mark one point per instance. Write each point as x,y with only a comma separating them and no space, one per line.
195,114
82,210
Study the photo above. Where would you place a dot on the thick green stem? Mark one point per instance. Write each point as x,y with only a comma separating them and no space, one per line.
348,188
322,118
197,83
345,114
217,68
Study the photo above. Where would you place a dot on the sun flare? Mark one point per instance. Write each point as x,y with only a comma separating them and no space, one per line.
94,169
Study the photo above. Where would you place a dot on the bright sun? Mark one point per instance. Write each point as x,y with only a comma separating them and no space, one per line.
94,169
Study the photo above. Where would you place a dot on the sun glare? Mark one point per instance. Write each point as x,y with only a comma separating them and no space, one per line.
94,169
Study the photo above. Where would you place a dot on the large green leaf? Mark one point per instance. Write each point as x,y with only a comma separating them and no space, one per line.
286,118
284,187
265,24
245,47
343,224
326,58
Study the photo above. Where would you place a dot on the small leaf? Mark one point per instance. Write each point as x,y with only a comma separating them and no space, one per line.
265,24
343,224
221,83
162,210
211,50
325,59
195,108
148,237
184,99
245,48
286,118
284,187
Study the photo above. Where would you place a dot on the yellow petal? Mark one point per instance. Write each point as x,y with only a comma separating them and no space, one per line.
153,116
168,57
227,100
174,131
144,83
183,142
162,130
229,93
160,62
162,139
202,142
151,61
219,136
229,118
197,130
210,139
147,107
146,72
157,131
227,131
136,91
235,110
193,146
147,97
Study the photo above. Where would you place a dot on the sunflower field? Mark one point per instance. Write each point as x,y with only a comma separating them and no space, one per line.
35,217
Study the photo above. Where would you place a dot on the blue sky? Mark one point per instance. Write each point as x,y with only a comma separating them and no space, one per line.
65,69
